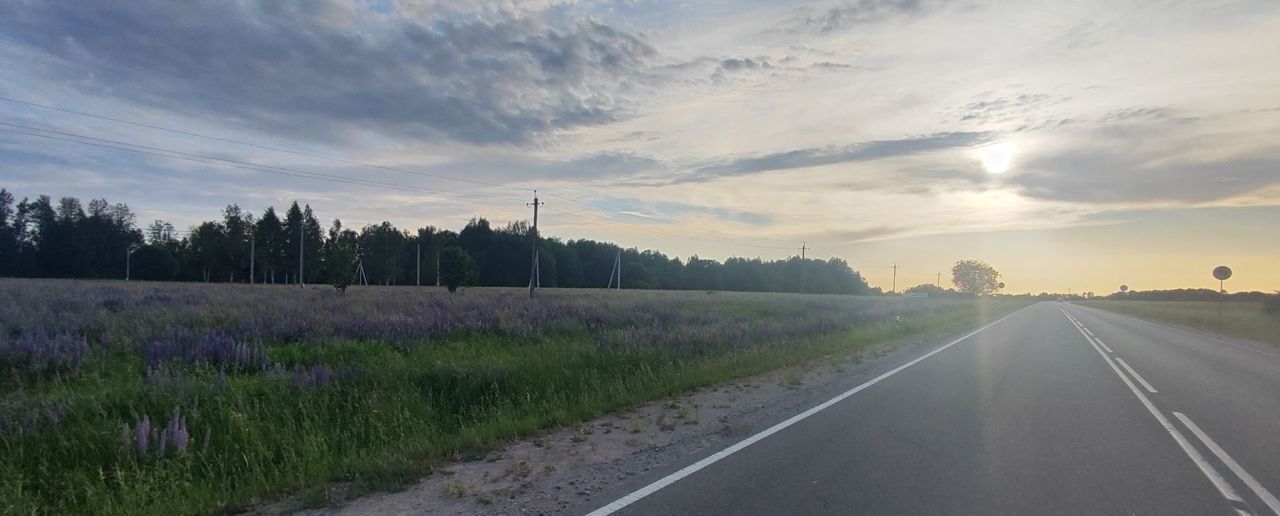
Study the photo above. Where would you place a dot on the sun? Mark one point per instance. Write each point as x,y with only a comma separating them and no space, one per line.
997,157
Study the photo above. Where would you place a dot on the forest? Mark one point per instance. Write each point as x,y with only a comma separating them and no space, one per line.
67,239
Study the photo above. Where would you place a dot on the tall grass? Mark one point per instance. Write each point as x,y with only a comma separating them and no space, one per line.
1238,319
271,390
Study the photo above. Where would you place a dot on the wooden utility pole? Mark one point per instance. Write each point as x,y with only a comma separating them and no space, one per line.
615,276
252,243
939,282
533,237
895,279
417,277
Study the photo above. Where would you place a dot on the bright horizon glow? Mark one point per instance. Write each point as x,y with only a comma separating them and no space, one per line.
997,158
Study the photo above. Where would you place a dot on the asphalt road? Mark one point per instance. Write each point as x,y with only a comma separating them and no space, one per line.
1056,409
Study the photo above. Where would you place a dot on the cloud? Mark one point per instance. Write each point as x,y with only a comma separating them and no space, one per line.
325,68
850,14
812,157
1102,177
668,212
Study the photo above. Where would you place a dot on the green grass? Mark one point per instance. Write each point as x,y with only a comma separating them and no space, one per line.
1238,319
409,407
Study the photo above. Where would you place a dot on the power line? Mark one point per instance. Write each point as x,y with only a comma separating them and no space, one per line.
666,234
254,145
620,212
202,158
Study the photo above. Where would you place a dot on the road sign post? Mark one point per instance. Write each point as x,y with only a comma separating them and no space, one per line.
1221,273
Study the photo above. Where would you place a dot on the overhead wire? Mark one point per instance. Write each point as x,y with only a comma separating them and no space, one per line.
203,158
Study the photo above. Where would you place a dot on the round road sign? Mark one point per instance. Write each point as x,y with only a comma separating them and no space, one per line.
1124,288
1222,273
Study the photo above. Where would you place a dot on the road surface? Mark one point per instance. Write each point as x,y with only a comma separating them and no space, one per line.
1056,409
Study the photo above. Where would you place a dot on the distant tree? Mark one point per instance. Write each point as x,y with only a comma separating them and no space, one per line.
293,234
208,243
340,262
930,290
382,249
8,235
154,263
975,277
270,241
1271,305
457,268
238,227
161,233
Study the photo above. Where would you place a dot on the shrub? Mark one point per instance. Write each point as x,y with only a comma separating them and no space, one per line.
1272,305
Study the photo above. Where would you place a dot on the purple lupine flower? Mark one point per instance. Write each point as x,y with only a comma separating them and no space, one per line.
162,443
144,433
176,431
40,352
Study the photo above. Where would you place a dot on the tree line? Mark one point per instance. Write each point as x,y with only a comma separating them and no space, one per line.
41,238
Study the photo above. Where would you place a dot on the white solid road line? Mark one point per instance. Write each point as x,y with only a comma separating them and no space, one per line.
1215,478
1104,346
635,496
1231,463
1137,376
1187,332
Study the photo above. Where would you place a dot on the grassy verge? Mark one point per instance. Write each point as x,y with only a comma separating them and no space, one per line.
1244,320
376,410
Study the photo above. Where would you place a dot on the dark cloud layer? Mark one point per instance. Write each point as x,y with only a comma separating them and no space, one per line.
802,158
322,68
1097,177
852,14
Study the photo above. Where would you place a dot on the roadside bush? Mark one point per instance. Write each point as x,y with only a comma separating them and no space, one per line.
1272,305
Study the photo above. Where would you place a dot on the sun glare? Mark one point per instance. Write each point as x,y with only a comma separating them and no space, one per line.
997,157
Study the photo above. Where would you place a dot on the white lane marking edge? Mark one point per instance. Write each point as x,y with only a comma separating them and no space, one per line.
1137,376
635,496
1207,469
1103,344
1182,331
1231,463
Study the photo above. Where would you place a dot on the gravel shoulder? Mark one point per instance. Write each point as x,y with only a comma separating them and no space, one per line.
577,469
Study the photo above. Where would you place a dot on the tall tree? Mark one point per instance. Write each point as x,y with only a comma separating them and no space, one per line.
313,243
293,236
975,277
8,235
238,227
270,242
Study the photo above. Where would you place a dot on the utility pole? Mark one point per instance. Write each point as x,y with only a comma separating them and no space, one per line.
128,255
939,282
615,276
302,224
804,246
418,275
437,266
252,243
895,279
533,234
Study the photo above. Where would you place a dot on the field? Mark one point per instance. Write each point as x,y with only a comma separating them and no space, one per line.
1239,319
127,398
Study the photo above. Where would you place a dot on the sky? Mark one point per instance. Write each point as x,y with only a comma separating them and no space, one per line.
1074,145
